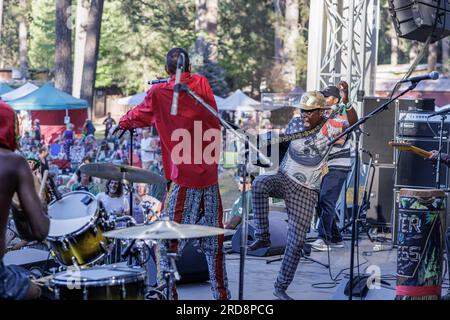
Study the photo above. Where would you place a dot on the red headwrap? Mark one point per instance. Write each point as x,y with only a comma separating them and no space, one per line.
9,127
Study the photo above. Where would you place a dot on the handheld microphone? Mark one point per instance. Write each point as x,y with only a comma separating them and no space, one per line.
431,76
176,88
152,82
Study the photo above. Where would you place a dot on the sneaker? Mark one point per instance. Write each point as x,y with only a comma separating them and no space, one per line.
320,245
259,244
282,295
338,244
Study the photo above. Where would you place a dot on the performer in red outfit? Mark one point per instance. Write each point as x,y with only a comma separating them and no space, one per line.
190,143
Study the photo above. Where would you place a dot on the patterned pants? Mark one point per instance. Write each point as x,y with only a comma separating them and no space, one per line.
300,205
201,206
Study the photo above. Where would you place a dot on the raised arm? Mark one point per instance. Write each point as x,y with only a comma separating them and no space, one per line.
352,116
32,223
141,116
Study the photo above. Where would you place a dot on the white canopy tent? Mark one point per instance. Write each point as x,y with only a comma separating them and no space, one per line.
239,101
20,92
134,100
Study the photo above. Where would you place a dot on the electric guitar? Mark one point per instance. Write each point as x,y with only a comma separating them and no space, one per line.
405,146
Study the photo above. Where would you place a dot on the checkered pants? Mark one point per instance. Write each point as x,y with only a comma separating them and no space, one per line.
300,205
201,206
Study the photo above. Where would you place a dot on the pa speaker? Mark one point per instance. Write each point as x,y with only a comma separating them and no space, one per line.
415,19
382,196
192,266
278,228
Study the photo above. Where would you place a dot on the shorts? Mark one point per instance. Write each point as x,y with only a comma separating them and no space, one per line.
14,283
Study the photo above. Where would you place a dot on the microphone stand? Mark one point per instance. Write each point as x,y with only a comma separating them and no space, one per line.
355,128
240,136
439,160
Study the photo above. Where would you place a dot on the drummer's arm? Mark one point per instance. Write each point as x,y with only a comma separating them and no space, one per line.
139,117
32,223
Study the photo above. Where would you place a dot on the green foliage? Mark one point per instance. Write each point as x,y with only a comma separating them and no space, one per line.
9,46
42,34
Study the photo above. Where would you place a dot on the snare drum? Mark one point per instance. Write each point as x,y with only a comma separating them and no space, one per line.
76,229
108,282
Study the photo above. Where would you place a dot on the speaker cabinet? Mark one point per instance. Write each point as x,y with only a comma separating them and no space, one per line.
278,228
415,19
416,172
382,196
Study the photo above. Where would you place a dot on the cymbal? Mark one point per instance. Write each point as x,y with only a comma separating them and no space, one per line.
116,172
164,230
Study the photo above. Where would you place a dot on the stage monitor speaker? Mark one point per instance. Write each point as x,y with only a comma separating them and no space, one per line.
381,127
192,266
414,171
278,228
382,196
415,19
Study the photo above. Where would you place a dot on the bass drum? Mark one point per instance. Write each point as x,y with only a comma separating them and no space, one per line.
76,229
108,282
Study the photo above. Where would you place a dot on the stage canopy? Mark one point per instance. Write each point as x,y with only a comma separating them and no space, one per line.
134,100
20,92
51,106
4,88
239,101
47,98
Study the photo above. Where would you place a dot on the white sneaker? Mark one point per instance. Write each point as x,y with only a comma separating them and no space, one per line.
320,245
339,244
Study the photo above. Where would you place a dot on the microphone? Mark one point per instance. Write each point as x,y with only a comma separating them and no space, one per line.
431,76
176,89
158,81
442,111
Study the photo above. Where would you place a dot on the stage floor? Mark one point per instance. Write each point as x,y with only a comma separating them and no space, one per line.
260,276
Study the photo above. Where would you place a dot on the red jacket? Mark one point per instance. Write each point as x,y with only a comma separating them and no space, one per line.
193,171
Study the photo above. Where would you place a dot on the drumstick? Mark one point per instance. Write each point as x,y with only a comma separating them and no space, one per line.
43,184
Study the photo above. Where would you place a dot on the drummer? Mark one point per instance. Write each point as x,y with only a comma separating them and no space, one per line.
32,222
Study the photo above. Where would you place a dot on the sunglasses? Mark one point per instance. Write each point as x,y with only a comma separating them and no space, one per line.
309,111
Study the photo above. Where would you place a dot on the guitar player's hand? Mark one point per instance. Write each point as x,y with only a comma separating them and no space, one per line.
433,156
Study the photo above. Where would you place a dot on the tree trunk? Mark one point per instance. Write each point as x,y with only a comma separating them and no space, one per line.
445,55
432,56
413,51
80,43
290,43
23,41
394,49
206,28
1,19
63,47
91,51
279,4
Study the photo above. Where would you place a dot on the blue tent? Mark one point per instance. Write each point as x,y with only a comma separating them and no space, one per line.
4,88
48,98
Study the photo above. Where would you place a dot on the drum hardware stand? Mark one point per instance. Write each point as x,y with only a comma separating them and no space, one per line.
172,273
248,145
439,160
355,128
304,256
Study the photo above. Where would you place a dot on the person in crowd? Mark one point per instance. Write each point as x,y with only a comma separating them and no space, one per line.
114,199
37,136
88,128
77,153
145,207
108,122
104,153
68,139
85,183
148,149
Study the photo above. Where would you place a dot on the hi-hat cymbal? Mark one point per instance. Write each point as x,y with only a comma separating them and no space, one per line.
164,230
121,172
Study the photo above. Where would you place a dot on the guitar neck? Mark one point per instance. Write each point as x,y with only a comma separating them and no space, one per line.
421,152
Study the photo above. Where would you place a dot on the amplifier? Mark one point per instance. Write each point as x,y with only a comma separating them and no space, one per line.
419,124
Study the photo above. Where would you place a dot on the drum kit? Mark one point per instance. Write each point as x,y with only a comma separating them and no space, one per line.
82,236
